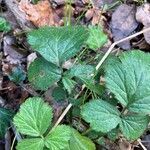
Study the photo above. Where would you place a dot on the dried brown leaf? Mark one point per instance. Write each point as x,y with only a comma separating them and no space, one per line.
95,15
40,14
143,16
123,23
12,53
101,3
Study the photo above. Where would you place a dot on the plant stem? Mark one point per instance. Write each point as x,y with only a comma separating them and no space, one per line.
87,131
97,67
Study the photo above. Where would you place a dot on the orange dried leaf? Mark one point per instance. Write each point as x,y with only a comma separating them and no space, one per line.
40,14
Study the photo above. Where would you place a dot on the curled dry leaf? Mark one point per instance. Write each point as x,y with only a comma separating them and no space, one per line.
143,16
40,14
123,23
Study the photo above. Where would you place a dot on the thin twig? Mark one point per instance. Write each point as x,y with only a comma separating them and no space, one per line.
139,141
97,67
67,109
13,143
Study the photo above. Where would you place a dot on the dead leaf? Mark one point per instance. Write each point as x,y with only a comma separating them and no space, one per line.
101,3
68,64
125,145
143,16
11,52
147,36
146,141
123,23
14,95
40,14
141,44
95,15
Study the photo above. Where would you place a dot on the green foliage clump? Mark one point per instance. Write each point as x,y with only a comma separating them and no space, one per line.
97,38
4,25
128,81
34,119
121,105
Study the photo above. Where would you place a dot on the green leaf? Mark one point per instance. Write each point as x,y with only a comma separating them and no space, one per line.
97,38
4,25
95,87
42,74
79,142
59,94
34,117
81,71
84,73
31,144
101,115
58,44
17,75
133,126
128,80
58,138
35,1
68,84
5,117
113,134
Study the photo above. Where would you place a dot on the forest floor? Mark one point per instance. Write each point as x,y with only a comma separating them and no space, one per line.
117,19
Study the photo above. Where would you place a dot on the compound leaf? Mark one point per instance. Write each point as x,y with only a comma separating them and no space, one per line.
101,115
58,138
42,74
58,44
34,117
32,144
133,126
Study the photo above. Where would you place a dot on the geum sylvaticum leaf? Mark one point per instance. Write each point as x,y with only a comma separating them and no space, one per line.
133,126
129,80
79,142
101,115
58,44
34,117
42,74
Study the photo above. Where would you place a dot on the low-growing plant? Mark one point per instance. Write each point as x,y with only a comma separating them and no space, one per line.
128,81
35,120
121,105
4,25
